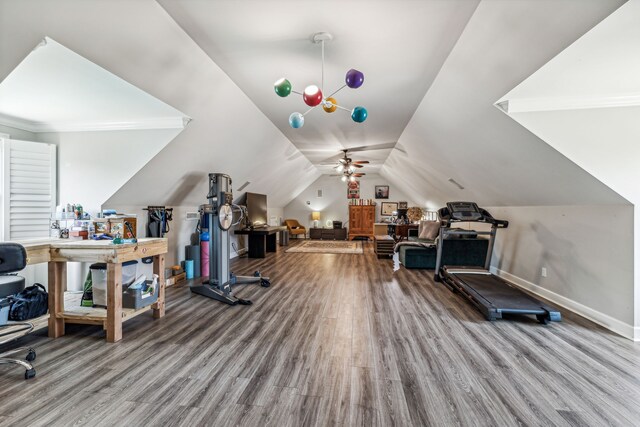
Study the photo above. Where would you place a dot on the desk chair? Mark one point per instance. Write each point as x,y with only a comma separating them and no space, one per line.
13,257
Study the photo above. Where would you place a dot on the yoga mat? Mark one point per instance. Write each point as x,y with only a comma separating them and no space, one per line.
188,268
193,252
204,259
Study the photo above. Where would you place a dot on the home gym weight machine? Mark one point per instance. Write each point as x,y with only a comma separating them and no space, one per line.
219,212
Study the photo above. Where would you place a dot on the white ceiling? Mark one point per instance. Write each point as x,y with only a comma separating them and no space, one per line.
585,101
454,130
55,89
399,46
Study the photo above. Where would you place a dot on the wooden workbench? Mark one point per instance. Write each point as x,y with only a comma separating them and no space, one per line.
57,252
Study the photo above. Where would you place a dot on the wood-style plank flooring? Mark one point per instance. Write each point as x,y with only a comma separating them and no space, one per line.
336,340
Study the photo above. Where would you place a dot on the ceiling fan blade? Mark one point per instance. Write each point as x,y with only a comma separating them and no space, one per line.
359,174
385,146
361,162
355,165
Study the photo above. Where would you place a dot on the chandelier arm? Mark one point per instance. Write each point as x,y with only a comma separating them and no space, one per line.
342,108
295,91
343,86
309,110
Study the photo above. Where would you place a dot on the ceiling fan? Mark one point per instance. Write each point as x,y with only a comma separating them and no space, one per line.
351,176
349,165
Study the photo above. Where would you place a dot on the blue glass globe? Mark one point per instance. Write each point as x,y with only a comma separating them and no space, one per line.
296,120
359,114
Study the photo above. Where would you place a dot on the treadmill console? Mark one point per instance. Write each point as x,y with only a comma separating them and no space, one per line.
464,211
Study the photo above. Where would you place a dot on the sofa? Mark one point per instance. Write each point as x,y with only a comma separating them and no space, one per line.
456,251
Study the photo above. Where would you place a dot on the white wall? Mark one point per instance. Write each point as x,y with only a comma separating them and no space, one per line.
20,134
588,254
334,203
92,166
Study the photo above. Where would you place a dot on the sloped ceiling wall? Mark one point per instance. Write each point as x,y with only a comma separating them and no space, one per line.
457,132
140,43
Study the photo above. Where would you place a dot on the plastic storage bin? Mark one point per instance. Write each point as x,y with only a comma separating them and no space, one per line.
137,298
5,305
99,279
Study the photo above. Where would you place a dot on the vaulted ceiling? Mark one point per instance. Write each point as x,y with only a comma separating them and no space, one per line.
433,71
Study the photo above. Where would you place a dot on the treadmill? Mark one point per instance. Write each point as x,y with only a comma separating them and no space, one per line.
492,295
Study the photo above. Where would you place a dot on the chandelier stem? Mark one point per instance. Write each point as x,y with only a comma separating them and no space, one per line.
322,87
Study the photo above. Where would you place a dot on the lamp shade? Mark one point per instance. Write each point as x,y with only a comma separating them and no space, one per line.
315,216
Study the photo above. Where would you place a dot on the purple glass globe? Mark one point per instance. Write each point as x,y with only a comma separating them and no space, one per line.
354,78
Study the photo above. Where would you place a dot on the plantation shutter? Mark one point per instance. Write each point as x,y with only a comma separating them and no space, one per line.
28,188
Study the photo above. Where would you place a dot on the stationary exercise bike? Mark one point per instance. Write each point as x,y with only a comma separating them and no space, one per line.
220,211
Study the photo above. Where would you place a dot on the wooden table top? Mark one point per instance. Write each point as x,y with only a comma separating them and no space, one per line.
44,250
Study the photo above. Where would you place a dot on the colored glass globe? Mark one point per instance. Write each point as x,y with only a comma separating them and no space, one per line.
330,105
282,87
296,120
354,78
312,95
359,114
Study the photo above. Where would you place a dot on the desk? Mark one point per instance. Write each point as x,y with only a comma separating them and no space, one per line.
57,252
401,231
261,240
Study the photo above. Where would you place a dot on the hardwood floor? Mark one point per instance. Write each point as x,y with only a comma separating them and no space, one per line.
336,340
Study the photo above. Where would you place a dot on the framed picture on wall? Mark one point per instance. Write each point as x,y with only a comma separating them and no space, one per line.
403,205
353,189
382,191
388,208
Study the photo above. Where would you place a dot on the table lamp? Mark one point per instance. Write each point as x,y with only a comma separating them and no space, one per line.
315,216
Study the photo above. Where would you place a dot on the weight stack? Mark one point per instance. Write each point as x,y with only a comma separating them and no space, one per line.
193,252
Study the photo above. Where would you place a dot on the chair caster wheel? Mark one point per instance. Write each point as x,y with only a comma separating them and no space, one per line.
256,273
31,356
29,373
265,283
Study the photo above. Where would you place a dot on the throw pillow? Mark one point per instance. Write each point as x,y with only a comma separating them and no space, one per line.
429,230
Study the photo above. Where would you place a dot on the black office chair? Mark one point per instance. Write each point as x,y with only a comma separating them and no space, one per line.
13,257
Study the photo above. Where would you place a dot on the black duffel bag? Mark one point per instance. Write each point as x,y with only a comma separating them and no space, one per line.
30,303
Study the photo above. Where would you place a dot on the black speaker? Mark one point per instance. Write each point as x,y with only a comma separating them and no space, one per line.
337,224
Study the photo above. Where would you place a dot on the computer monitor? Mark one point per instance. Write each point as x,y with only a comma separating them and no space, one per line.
256,209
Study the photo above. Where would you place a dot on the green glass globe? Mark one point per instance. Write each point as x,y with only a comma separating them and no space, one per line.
282,87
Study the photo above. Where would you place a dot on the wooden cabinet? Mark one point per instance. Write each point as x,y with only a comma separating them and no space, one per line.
361,219
328,233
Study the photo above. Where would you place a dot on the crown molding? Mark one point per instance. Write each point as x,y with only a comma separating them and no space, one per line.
528,105
94,126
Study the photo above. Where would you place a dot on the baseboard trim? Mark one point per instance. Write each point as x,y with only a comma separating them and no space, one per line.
604,320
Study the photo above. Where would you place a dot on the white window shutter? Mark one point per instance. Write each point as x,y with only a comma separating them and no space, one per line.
28,188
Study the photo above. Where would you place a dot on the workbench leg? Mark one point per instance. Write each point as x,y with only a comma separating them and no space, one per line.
158,268
114,302
57,286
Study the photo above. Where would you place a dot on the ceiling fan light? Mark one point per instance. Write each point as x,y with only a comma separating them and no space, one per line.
282,87
312,95
340,168
352,178
344,178
352,168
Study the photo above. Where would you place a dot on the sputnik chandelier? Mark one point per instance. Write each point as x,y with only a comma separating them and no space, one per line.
314,95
